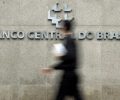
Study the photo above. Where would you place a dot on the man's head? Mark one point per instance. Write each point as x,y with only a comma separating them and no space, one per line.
66,26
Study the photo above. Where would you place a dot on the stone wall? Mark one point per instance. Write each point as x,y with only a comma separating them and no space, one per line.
21,61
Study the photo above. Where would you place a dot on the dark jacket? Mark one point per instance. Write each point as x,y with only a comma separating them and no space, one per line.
69,60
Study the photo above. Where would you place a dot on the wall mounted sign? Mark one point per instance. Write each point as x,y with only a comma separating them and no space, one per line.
53,17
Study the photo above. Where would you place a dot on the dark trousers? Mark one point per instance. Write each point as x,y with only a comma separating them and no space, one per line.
63,92
68,87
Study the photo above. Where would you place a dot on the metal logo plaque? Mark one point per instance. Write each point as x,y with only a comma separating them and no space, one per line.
52,14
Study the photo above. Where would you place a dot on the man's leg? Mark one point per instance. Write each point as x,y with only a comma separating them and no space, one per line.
78,95
61,94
